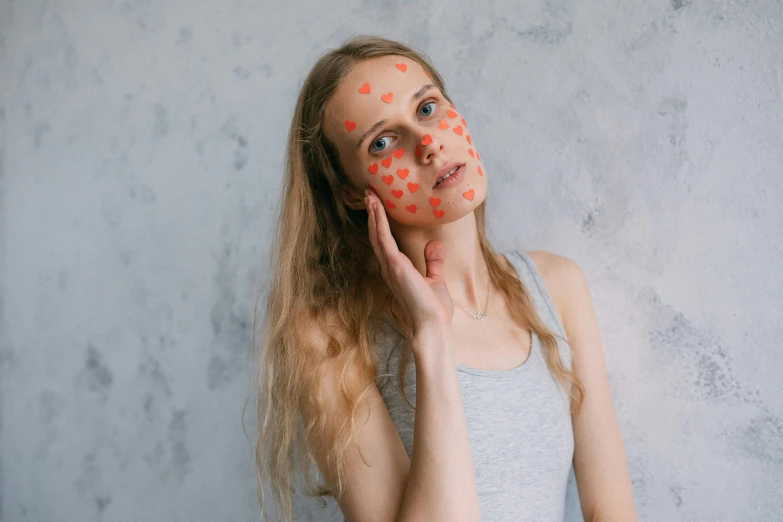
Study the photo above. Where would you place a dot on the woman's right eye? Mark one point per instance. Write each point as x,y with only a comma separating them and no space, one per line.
378,140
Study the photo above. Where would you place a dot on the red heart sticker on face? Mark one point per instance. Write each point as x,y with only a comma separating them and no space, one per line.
413,187
470,141
373,188
426,140
387,162
387,97
411,208
450,105
365,89
373,168
451,114
443,124
390,204
470,151
469,194
434,201
398,153
350,125
388,179
478,156
401,66
457,130
463,122
480,173
418,151
438,212
397,193
402,173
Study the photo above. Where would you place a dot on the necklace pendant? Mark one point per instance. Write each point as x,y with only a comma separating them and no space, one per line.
480,316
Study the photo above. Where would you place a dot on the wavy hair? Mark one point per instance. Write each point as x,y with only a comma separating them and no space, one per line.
319,246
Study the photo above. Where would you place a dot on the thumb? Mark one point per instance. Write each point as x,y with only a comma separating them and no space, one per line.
434,258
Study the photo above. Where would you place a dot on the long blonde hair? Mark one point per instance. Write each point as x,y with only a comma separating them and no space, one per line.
318,248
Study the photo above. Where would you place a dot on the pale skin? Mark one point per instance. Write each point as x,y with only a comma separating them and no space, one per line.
400,235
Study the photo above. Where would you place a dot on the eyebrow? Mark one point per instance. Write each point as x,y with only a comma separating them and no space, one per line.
416,95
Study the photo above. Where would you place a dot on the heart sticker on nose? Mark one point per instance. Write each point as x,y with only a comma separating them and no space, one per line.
402,173
451,114
388,179
469,194
443,124
387,162
373,168
350,125
434,201
457,130
480,173
418,151
397,193
398,153
365,89
470,141
426,140
411,208
470,151
413,187
387,97
438,212
390,204
401,66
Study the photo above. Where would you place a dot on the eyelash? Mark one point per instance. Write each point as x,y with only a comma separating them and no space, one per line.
376,152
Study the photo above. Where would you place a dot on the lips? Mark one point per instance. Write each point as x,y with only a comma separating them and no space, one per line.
445,170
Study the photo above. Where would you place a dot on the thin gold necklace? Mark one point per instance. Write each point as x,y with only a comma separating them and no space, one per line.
480,315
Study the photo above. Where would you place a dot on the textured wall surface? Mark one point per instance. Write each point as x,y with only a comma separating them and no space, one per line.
142,145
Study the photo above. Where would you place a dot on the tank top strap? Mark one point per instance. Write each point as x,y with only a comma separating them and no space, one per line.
534,283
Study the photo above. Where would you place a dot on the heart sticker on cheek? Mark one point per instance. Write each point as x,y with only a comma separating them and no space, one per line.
470,151
373,168
478,156
397,193
388,179
480,173
413,187
451,114
350,125
411,208
390,204
426,140
365,89
457,130
463,122
438,212
387,162
434,201
443,125
398,153
470,141
402,173
401,66
373,188
387,97
469,194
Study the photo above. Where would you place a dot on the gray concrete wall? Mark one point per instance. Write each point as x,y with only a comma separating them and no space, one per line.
142,145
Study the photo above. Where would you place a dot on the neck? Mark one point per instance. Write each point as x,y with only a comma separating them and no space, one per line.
466,272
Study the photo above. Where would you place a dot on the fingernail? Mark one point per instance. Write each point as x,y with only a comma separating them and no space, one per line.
366,191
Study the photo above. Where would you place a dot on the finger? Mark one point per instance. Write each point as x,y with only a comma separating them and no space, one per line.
385,238
434,260
372,230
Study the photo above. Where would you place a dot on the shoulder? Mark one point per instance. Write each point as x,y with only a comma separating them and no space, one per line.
564,279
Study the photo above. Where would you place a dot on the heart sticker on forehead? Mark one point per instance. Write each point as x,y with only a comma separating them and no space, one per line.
401,66
365,89
350,125
387,97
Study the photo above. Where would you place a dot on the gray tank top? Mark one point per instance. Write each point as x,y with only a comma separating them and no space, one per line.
518,420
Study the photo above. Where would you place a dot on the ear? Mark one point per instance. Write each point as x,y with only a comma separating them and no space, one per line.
353,198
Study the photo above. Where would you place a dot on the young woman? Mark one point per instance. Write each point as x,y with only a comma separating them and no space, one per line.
427,376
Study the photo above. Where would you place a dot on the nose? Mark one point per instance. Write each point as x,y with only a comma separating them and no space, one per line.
429,147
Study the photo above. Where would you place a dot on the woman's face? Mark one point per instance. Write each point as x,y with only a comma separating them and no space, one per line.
395,131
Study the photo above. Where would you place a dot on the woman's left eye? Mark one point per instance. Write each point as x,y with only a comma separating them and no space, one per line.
381,138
